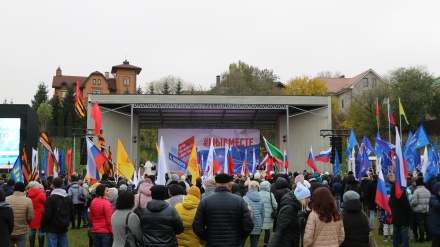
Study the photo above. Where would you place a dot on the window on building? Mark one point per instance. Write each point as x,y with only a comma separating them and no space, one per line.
99,81
126,81
365,82
94,81
63,94
373,82
96,91
342,104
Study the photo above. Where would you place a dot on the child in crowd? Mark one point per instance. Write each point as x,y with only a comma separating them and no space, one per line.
386,219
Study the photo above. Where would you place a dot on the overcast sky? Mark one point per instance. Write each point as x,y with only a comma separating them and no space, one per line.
197,40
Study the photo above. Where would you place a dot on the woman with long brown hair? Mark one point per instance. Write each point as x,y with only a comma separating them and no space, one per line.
324,226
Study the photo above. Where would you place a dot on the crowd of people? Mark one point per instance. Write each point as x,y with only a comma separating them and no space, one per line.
299,209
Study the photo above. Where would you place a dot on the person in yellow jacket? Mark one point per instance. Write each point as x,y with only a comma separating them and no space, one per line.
187,211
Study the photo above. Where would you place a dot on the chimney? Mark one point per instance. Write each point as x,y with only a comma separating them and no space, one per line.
59,72
342,76
217,80
107,75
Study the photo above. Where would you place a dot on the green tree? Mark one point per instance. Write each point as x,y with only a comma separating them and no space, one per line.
151,87
69,123
61,127
179,87
361,116
44,112
166,87
69,102
244,79
414,87
139,90
55,102
305,86
40,96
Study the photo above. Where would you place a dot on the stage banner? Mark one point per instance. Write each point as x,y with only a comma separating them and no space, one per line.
179,142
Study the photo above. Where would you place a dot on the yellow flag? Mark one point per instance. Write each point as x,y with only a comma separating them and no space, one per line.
123,164
193,165
402,112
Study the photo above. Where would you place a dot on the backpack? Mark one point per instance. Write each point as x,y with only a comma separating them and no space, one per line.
81,196
62,213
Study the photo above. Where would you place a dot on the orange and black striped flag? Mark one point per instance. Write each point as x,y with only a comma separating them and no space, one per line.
80,108
35,176
101,142
111,173
25,166
44,139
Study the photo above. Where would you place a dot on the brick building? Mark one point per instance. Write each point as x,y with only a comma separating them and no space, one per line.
123,80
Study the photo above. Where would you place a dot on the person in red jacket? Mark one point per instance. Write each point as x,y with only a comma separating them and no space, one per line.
100,216
38,198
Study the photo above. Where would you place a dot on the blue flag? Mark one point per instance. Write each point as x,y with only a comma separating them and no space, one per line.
432,169
17,173
417,162
351,142
45,161
358,162
337,166
410,134
418,140
61,161
366,143
385,146
377,149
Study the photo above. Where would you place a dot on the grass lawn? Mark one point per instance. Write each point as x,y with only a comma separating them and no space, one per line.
78,238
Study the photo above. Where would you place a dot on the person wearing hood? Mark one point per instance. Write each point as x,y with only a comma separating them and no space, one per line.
74,191
143,195
254,200
23,215
356,226
113,196
160,222
434,215
209,188
420,205
270,204
173,180
187,211
36,194
288,226
100,216
53,222
6,220
9,187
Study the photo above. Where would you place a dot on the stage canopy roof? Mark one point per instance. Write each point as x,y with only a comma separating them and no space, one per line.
209,111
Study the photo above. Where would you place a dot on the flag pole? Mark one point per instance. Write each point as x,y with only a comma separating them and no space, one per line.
389,129
400,119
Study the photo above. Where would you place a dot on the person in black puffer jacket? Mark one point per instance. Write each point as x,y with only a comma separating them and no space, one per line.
352,184
337,190
160,222
356,225
223,219
235,190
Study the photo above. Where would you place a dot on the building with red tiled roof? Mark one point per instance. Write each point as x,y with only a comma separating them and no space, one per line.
123,81
344,89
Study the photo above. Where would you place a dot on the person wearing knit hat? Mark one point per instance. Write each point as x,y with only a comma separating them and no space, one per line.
23,215
356,225
291,210
257,176
7,219
159,218
173,180
187,211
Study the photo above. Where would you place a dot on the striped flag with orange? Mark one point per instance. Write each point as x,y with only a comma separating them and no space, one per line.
44,139
25,166
111,173
80,108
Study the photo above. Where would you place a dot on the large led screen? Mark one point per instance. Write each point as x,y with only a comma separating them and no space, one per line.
9,140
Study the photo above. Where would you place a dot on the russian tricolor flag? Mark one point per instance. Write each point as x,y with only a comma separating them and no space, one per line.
381,194
311,161
324,156
231,163
401,168
95,160
390,115
286,163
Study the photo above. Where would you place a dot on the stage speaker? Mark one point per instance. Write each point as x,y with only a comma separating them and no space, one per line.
336,144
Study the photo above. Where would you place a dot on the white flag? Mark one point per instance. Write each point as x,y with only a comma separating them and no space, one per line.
162,164
209,169
34,159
